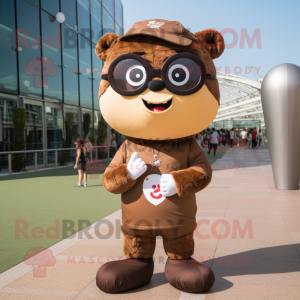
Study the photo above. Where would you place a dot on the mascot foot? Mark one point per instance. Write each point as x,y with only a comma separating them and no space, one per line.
189,275
124,275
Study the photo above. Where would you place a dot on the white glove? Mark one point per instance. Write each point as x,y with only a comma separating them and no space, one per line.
167,185
136,166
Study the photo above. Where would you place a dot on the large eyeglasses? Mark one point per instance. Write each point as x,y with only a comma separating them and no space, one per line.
183,73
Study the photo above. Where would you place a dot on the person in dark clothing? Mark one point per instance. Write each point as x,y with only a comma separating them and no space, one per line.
254,136
214,141
80,163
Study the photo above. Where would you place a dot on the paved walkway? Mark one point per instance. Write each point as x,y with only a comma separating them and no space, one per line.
249,233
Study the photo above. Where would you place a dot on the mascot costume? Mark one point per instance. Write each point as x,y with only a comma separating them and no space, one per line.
159,89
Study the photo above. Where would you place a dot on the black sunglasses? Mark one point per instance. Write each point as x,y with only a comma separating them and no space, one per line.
183,74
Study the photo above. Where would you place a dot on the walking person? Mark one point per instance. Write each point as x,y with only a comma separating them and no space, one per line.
200,139
219,132
80,163
249,138
208,137
231,137
259,137
244,137
214,140
254,136
203,139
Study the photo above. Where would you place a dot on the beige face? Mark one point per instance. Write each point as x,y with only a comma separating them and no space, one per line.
187,115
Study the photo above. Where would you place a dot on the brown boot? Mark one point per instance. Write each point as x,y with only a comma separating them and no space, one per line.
189,275
124,275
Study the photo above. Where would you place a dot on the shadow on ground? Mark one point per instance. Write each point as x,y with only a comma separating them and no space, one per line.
270,260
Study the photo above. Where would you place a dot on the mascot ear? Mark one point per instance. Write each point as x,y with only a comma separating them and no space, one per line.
105,45
212,40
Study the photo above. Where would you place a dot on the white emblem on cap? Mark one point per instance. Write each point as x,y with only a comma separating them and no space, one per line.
154,24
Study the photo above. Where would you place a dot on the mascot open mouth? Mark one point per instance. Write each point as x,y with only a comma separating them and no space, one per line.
158,107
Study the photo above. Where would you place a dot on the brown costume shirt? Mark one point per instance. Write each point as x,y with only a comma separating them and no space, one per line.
173,212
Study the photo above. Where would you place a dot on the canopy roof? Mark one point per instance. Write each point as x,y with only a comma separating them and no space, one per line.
240,98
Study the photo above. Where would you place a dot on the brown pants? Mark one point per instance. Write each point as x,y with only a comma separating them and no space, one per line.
143,246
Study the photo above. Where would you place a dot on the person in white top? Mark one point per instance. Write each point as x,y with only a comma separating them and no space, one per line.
231,137
214,140
200,138
244,137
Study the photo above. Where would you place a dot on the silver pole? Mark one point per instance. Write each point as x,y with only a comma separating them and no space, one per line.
35,161
280,95
56,160
9,164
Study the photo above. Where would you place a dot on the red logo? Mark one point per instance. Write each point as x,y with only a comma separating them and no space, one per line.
156,191
39,258
40,68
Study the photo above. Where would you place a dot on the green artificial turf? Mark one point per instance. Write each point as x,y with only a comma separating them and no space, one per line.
40,198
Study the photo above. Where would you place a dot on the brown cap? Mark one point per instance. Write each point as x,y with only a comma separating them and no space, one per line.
171,31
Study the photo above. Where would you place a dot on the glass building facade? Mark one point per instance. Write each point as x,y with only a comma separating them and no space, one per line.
51,69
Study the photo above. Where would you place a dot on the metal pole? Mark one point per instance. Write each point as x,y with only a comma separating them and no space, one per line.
280,96
108,152
55,159
35,161
9,164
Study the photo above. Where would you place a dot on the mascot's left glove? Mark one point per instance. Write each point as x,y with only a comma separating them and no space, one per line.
136,166
167,185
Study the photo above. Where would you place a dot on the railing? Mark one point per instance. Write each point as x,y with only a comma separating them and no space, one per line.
92,155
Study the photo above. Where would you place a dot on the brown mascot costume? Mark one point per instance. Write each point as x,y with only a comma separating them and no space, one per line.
159,89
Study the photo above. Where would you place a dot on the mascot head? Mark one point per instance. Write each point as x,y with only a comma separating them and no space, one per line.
159,81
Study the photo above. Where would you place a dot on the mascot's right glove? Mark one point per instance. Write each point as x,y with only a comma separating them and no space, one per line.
136,166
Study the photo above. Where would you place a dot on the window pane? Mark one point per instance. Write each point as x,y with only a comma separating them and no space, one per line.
30,62
8,57
118,30
87,123
97,68
83,7
109,5
68,7
52,58
71,125
70,65
50,6
119,12
54,121
7,103
34,127
108,23
96,21
85,77
101,128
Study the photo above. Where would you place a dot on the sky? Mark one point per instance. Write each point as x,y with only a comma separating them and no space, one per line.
275,22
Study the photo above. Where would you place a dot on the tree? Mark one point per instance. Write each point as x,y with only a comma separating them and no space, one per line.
86,124
67,142
102,135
